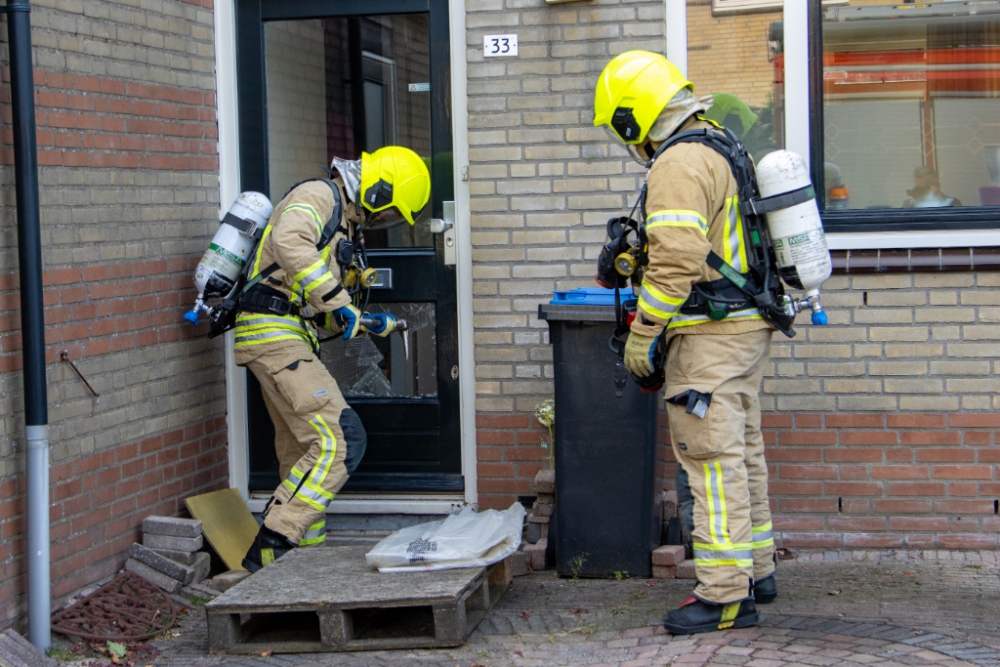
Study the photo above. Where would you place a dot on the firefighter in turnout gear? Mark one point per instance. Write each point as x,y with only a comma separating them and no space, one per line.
302,277
715,357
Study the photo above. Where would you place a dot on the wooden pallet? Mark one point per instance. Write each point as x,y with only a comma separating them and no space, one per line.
327,599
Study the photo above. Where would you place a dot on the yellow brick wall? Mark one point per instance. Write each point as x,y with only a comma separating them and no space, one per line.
728,53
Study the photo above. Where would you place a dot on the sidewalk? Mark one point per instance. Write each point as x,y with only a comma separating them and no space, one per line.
835,608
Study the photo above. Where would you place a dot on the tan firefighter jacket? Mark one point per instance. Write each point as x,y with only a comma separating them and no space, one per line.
692,206
309,278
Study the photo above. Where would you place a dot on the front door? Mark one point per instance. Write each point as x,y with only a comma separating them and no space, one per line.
319,79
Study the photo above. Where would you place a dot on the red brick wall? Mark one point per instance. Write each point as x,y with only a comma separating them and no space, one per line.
885,480
128,183
99,502
913,481
85,121
95,310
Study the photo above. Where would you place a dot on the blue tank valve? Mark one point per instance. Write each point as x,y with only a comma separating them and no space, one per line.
819,317
192,316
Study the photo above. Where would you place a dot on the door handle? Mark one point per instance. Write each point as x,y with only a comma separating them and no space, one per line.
446,227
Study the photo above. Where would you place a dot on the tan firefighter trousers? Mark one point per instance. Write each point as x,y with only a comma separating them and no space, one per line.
721,448
315,454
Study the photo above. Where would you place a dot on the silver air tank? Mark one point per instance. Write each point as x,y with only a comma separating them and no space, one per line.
797,231
231,248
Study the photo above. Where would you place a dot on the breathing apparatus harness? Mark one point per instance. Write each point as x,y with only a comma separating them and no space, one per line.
254,295
622,261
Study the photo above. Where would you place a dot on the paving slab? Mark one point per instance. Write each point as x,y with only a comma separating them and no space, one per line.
170,525
162,564
190,544
942,611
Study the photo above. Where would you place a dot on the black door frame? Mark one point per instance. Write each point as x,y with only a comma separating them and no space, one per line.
251,15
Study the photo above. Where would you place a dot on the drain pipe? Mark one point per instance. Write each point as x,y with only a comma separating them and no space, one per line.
29,254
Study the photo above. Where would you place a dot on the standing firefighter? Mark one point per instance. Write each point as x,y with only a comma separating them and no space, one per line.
303,273
715,351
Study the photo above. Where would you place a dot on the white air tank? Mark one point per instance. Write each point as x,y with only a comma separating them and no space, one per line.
797,231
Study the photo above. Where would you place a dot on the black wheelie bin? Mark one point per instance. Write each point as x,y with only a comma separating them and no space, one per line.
606,521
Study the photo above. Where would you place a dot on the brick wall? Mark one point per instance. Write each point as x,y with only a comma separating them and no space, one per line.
728,53
882,429
880,426
129,198
543,182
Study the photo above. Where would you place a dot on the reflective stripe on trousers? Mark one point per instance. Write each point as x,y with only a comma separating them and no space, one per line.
722,551
315,535
310,490
763,536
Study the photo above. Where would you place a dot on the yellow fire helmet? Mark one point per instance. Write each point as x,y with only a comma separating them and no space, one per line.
394,176
632,91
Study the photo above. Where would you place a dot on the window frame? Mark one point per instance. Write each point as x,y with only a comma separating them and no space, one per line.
743,6
877,221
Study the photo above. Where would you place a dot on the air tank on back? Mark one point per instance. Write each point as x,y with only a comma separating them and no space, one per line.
230,250
797,231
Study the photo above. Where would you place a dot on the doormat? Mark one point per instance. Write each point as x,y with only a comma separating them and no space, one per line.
128,608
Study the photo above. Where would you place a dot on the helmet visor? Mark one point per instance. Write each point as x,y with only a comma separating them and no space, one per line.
384,219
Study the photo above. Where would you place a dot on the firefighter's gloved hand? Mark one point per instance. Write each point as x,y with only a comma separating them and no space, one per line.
348,318
639,352
386,324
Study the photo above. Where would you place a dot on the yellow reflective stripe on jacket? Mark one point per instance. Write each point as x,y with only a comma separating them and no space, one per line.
735,316
309,279
734,248
691,219
655,302
763,536
260,250
259,329
308,209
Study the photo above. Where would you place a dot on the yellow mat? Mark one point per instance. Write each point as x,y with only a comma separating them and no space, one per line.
226,522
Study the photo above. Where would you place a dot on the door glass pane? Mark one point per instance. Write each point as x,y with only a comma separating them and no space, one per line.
340,86
379,367
911,96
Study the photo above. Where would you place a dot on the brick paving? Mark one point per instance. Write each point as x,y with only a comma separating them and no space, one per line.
848,608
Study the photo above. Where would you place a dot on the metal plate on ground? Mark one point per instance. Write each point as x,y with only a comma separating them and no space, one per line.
226,522
328,599
128,608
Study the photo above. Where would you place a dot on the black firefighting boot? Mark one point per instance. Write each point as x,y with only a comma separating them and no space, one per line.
267,547
694,616
765,590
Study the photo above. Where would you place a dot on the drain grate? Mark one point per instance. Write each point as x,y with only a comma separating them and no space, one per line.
128,608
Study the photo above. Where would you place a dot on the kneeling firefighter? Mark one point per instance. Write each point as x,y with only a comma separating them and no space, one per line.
303,273
709,298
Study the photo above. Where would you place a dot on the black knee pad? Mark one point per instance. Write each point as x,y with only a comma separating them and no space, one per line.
357,439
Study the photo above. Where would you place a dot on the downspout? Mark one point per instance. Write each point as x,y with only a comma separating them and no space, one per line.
29,254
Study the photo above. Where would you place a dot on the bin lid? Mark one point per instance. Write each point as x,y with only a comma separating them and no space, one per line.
586,296
586,304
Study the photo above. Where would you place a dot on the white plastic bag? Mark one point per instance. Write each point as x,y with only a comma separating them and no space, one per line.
466,539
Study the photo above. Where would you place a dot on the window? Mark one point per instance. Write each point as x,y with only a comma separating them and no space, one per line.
740,74
910,114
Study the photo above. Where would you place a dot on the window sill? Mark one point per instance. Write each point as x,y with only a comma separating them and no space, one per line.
916,260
